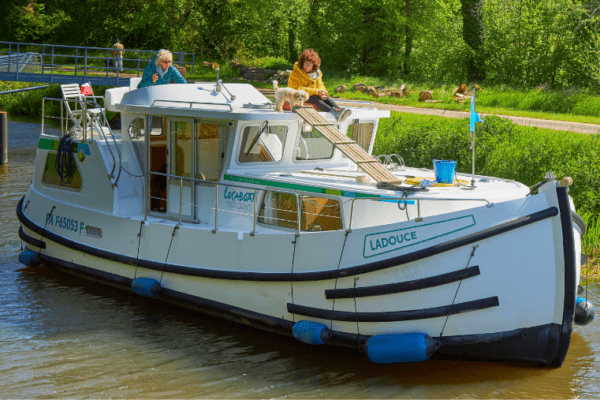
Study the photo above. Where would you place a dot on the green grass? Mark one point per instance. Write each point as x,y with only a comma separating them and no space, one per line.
503,149
543,103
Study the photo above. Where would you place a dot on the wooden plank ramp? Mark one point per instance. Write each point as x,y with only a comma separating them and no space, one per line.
347,146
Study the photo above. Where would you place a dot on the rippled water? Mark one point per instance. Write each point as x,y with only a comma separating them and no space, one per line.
61,336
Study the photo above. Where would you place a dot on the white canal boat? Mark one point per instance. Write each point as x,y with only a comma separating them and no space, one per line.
208,198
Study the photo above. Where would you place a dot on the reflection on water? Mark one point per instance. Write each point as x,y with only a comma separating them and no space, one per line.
61,336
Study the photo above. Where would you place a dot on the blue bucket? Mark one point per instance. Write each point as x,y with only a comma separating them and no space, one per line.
444,170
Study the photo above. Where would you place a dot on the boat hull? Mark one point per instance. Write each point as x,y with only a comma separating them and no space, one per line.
444,288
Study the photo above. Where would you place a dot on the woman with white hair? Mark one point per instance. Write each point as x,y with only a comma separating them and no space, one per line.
161,71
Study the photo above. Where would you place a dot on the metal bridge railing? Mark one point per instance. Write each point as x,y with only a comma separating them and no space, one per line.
84,63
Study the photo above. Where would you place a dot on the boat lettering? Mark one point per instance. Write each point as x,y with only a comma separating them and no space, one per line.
239,196
239,200
68,224
393,240
396,240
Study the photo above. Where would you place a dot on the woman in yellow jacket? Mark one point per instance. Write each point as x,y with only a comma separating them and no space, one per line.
307,76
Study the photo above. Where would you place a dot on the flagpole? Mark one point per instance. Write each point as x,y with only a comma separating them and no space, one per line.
473,120
473,144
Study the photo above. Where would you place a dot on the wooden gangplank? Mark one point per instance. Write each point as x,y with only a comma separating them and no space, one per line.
347,146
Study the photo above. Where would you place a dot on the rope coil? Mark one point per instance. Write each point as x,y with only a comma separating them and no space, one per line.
65,164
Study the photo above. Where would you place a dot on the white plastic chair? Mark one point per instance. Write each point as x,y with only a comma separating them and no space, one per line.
72,91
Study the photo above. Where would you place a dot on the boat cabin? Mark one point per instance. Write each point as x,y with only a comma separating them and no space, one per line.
186,136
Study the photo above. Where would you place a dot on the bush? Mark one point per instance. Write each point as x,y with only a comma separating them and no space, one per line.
503,149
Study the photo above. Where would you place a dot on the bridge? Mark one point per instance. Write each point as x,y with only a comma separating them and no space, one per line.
49,63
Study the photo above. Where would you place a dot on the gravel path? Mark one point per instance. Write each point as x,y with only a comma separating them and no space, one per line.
533,122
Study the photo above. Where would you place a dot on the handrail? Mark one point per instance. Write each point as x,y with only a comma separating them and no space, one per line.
217,185
400,198
99,123
192,103
370,103
418,200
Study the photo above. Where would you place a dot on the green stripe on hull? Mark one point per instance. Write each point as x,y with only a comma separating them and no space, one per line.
292,186
49,144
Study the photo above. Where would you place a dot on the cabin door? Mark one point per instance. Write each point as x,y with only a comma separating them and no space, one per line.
211,145
181,167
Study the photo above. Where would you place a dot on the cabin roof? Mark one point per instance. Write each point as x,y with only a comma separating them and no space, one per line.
204,100
195,94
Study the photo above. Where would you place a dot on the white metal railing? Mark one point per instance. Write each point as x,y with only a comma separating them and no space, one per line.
93,123
405,200
299,198
216,185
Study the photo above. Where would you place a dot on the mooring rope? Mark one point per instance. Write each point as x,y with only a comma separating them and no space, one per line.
44,231
356,315
458,288
137,257
162,273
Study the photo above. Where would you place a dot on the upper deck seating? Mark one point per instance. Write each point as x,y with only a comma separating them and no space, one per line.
74,106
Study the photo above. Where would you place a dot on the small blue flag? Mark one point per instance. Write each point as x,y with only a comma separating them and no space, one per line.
474,116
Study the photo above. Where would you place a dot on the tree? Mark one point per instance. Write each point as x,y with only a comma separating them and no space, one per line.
473,34
30,21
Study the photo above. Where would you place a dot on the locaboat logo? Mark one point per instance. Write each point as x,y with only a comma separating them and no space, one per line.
239,200
384,242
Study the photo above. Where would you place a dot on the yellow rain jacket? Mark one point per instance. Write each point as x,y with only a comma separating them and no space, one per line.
299,80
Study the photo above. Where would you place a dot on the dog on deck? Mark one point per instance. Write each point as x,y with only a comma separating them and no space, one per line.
292,96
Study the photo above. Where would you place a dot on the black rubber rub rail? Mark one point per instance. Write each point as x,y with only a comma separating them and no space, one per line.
408,286
30,240
392,316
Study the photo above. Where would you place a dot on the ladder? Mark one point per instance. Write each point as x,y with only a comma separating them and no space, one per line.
347,146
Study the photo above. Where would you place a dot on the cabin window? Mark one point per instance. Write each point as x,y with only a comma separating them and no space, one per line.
136,133
320,214
71,180
211,146
279,209
313,145
317,213
136,129
181,149
263,143
156,126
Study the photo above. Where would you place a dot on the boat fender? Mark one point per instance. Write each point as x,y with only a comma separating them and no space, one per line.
400,347
29,258
311,332
147,287
584,311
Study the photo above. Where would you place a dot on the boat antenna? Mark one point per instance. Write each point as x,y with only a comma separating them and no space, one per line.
220,83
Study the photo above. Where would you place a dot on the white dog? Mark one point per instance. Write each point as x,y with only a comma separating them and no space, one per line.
292,96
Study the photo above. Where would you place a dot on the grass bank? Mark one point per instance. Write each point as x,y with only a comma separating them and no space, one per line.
573,105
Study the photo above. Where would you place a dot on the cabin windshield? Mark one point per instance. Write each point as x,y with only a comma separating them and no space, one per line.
263,144
312,145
